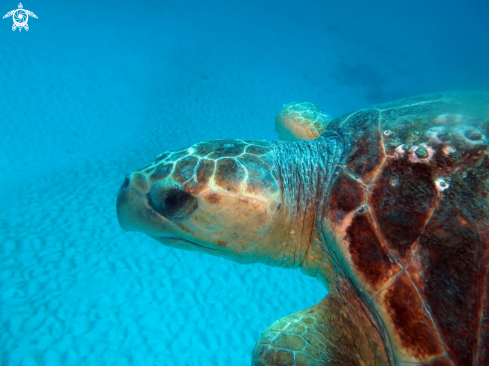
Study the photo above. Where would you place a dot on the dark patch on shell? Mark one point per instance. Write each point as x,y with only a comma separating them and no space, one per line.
369,257
346,195
403,208
414,328
454,251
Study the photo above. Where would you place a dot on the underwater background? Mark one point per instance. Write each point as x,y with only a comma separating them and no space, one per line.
95,90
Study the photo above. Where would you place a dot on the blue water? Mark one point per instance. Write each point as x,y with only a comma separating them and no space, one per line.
95,90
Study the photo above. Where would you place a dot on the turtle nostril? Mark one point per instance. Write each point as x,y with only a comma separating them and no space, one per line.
126,181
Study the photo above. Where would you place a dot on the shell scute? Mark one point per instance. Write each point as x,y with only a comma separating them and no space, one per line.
346,195
412,328
370,259
453,252
402,199
367,152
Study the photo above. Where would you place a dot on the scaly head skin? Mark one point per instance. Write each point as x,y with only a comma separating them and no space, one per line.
225,198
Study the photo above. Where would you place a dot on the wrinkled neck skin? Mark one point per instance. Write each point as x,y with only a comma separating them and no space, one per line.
306,170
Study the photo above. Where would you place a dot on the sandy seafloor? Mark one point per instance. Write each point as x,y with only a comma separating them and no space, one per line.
93,91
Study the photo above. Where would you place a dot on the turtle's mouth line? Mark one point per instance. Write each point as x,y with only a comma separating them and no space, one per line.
174,239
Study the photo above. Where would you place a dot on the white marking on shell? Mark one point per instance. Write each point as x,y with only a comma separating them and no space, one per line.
400,151
433,134
459,136
447,150
441,118
416,159
449,117
441,184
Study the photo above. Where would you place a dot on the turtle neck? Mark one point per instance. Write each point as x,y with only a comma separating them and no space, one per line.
305,172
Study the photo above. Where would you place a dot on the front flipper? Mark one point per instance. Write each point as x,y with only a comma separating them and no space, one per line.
329,333
301,122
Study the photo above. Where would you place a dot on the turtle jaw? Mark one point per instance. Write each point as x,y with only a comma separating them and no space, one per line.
136,214
188,245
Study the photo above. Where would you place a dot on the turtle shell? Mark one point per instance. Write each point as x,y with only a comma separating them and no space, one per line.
408,214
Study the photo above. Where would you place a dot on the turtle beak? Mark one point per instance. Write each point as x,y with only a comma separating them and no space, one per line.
134,212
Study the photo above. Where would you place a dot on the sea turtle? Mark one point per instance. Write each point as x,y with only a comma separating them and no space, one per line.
388,208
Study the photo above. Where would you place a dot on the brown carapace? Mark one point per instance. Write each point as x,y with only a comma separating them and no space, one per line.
389,208
409,214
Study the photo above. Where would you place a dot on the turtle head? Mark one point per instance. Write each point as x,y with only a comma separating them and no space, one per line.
218,197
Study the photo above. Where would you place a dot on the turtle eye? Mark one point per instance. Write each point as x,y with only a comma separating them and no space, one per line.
171,201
